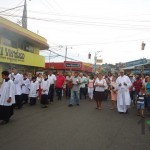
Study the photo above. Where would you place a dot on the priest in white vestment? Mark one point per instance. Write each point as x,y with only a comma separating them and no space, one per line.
123,84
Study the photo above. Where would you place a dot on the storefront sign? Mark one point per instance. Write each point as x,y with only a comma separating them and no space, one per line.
72,65
136,62
11,54
17,56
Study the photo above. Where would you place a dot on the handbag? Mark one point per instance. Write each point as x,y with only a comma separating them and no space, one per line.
70,85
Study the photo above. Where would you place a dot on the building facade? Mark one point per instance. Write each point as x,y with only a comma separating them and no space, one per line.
20,47
141,66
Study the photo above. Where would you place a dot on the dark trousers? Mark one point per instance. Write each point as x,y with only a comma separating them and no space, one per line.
51,93
148,102
83,92
25,98
44,99
6,112
132,96
86,89
68,91
59,93
132,93
32,100
18,99
106,94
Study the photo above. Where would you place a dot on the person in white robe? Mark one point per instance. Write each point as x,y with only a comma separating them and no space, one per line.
34,87
25,88
7,97
45,89
17,78
123,83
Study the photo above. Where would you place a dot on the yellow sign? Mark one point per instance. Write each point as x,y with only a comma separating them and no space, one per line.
17,56
99,61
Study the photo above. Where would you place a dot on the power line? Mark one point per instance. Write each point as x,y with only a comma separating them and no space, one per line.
51,56
61,55
17,6
47,6
117,41
125,26
11,9
105,41
86,17
58,5
93,22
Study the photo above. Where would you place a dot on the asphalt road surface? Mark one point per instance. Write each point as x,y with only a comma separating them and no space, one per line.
60,127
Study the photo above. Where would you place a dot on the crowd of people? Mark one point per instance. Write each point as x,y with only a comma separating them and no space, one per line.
123,90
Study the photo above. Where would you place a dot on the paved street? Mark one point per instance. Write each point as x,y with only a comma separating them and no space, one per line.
77,128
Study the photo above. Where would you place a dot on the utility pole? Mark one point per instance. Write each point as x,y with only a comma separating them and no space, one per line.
24,16
49,59
95,60
66,53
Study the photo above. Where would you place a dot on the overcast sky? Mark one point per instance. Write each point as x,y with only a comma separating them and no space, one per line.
115,27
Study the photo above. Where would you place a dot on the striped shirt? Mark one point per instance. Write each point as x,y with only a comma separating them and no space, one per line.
140,98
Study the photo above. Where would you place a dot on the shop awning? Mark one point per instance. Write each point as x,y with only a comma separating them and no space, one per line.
9,25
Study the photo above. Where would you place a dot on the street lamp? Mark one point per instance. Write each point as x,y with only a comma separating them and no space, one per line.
49,59
95,60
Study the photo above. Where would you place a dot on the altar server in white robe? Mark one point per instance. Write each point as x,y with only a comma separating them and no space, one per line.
17,77
45,89
34,87
123,84
7,97
25,88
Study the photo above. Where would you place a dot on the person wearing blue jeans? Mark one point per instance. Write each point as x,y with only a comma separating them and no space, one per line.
74,98
148,93
76,80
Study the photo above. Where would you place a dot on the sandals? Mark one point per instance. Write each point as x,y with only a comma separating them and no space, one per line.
98,108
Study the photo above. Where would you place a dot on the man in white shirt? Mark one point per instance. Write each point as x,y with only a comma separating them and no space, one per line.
83,86
51,80
68,85
76,80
